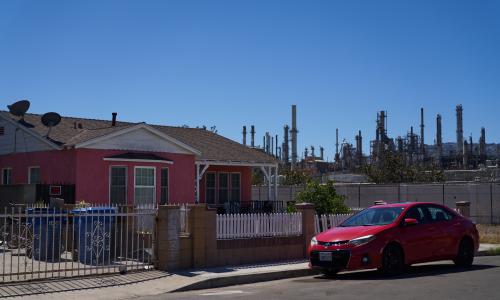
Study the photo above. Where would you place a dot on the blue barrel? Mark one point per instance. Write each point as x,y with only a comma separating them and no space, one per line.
47,231
94,227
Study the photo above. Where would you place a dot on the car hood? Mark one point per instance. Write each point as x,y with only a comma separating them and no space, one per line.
348,233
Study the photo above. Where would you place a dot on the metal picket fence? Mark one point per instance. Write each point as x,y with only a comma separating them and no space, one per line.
42,243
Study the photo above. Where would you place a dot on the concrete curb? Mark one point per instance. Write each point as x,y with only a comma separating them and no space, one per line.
486,253
218,282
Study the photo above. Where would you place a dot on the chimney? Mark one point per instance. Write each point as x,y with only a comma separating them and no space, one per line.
321,153
460,131
113,120
422,142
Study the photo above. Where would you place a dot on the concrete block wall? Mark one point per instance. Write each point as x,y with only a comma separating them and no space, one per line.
201,249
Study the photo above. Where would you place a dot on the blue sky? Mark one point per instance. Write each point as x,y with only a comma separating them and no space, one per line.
235,63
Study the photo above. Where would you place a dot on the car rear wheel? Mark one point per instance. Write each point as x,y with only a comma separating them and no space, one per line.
465,255
393,260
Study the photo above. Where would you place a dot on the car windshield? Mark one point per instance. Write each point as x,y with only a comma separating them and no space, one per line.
373,217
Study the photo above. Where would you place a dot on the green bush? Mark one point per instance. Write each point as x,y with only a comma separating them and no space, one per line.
324,197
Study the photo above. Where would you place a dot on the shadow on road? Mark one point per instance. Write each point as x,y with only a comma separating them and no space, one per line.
58,285
412,272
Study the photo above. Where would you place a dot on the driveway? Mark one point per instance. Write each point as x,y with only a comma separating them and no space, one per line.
440,280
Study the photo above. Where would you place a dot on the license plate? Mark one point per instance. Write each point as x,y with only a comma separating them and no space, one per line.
325,256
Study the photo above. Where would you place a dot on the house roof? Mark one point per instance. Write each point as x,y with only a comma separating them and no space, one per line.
213,147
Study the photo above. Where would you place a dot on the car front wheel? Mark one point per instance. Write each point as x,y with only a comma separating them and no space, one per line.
393,260
465,255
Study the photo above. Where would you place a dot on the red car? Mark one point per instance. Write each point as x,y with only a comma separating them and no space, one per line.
392,236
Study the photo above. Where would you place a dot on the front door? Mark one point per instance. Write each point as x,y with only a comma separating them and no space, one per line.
415,238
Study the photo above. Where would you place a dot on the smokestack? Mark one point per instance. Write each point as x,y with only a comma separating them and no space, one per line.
306,153
460,131
252,133
312,152
113,119
268,143
276,146
422,143
321,153
337,156
359,147
439,139
465,156
482,146
285,144
272,145
244,135
294,132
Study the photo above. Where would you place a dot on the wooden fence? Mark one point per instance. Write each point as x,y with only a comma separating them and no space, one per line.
325,222
240,226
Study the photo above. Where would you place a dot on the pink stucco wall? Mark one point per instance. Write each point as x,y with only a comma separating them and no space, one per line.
90,173
246,180
55,166
92,178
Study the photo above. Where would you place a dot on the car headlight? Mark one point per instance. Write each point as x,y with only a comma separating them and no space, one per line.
314,241
362,240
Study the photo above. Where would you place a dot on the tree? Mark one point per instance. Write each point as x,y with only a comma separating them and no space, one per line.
295,177
324,197
393,169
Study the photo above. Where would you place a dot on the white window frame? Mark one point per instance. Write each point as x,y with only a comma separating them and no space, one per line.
168,183
29,173
126,182
231,184
10,181
154,182
215,188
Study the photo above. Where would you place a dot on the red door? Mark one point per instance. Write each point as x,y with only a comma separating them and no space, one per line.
416,238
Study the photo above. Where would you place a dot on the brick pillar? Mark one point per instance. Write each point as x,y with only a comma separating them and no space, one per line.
168,242
463,208
204,236
308,229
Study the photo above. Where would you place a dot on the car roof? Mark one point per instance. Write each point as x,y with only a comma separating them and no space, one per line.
402,204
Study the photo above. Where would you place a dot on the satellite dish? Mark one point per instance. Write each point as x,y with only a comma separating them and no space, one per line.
50,120
19,108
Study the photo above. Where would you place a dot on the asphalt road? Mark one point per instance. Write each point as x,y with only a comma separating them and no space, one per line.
440,280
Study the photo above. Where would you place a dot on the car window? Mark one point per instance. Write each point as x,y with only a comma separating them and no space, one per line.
374,216
438,214
416,212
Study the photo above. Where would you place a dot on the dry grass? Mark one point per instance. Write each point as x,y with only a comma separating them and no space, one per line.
489,234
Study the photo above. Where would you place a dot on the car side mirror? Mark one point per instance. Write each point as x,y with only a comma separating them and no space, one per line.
410,222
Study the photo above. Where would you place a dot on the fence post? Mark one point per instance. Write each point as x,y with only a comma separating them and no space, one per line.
168,232
204,235
308,227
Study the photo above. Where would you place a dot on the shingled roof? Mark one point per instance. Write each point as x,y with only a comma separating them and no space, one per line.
213,147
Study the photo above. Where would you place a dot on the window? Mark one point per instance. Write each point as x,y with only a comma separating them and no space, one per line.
6,176
223,188
438,214
416,213
235,187
210,188
2,130
34,175
145,187
118,185
164,186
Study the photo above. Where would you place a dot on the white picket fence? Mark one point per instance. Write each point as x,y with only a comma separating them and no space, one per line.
325,222
238,226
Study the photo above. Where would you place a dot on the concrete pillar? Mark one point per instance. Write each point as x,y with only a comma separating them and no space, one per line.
168,243
463,208
308,229
203,235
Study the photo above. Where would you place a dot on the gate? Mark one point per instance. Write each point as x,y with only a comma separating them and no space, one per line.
42,243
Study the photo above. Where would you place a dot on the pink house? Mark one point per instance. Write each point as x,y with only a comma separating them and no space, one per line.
112,162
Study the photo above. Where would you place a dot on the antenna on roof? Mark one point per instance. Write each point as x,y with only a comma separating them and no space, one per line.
50,120
19,108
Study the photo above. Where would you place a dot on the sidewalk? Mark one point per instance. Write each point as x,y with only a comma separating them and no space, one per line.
151,283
